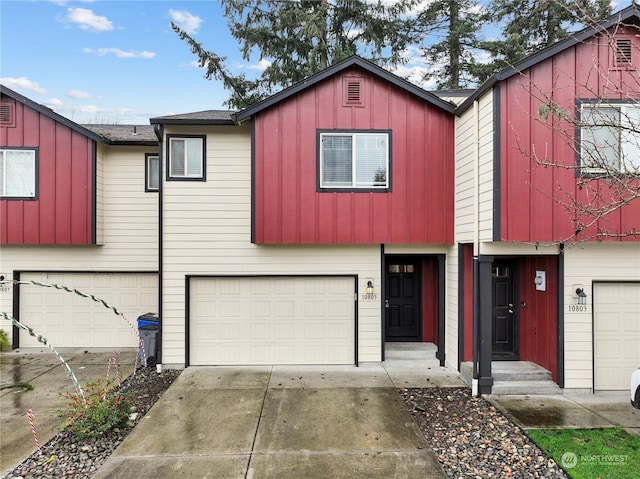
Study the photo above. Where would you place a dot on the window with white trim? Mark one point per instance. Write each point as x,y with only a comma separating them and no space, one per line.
152,173
354,160
186,158
18,172
609,137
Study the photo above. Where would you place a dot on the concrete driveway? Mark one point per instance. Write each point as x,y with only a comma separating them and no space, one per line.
44,372
313,422
232,422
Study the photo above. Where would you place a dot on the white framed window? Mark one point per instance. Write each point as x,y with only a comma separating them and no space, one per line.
186,158
18,173
354,160
609,137
152,172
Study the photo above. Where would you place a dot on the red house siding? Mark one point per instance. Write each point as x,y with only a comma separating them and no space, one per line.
430,300
62,210
532,197
538,317
289,209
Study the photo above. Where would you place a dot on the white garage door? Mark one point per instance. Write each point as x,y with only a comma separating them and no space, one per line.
69,320
616,334
272,320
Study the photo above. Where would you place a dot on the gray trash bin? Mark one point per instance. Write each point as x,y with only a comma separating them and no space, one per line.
148,325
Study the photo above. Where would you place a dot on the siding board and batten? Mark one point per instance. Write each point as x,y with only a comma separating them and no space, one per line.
61,213
290,210
586,70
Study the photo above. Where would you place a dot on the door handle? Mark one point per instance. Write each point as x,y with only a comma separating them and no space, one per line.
386,303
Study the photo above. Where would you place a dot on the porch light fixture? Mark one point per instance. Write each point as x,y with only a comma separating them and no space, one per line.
582,296
369,287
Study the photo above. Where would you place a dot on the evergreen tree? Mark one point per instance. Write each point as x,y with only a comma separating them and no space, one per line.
531,25
303,37
458,23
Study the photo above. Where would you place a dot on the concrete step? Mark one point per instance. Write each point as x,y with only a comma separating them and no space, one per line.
518,371
410,351
530,388
515,377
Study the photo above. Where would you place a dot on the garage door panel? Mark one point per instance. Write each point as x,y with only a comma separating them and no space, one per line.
616,334
272,320
70,320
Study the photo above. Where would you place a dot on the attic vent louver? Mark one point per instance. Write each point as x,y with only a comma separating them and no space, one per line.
353,91
623,52
7,114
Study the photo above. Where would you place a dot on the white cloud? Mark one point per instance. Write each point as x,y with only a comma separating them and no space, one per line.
78,94
87,20
186,21
53,103
22,83
120,53
262,65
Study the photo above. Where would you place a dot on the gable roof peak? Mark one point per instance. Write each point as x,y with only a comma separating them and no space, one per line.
630,12
353,60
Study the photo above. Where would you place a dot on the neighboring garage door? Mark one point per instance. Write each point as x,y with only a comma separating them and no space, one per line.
272,320
616,334
69,320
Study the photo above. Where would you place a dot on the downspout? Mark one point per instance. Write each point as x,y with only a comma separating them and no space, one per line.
159,131
476,244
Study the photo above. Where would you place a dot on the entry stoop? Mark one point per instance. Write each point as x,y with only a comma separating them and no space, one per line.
515,378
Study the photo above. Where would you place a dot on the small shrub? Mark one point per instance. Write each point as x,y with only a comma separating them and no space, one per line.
103,411
5,345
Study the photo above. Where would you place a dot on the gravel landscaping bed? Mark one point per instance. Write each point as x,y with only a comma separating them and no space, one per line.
63,457
473,439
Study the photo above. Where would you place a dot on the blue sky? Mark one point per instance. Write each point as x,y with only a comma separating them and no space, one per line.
113,61
119,61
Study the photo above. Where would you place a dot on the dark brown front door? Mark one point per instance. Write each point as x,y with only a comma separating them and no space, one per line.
504,326
402,305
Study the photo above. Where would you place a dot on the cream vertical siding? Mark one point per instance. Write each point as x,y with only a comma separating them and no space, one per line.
464,181
207,231
486,135
585,263
451,308
130,228
465,201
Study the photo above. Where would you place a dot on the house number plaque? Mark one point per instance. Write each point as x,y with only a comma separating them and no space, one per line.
369,297
578,308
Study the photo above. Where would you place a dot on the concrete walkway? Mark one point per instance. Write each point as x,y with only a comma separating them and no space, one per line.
572,409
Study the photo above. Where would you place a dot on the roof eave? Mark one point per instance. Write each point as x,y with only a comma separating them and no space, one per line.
48,112
190,121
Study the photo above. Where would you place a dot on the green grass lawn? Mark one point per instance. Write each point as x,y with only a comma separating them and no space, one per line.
592,453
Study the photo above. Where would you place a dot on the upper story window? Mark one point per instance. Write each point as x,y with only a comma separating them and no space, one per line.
186,158
354,160
152,172
610,138
18,173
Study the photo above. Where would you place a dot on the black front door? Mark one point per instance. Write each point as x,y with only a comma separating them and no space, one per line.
402,305
504,325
